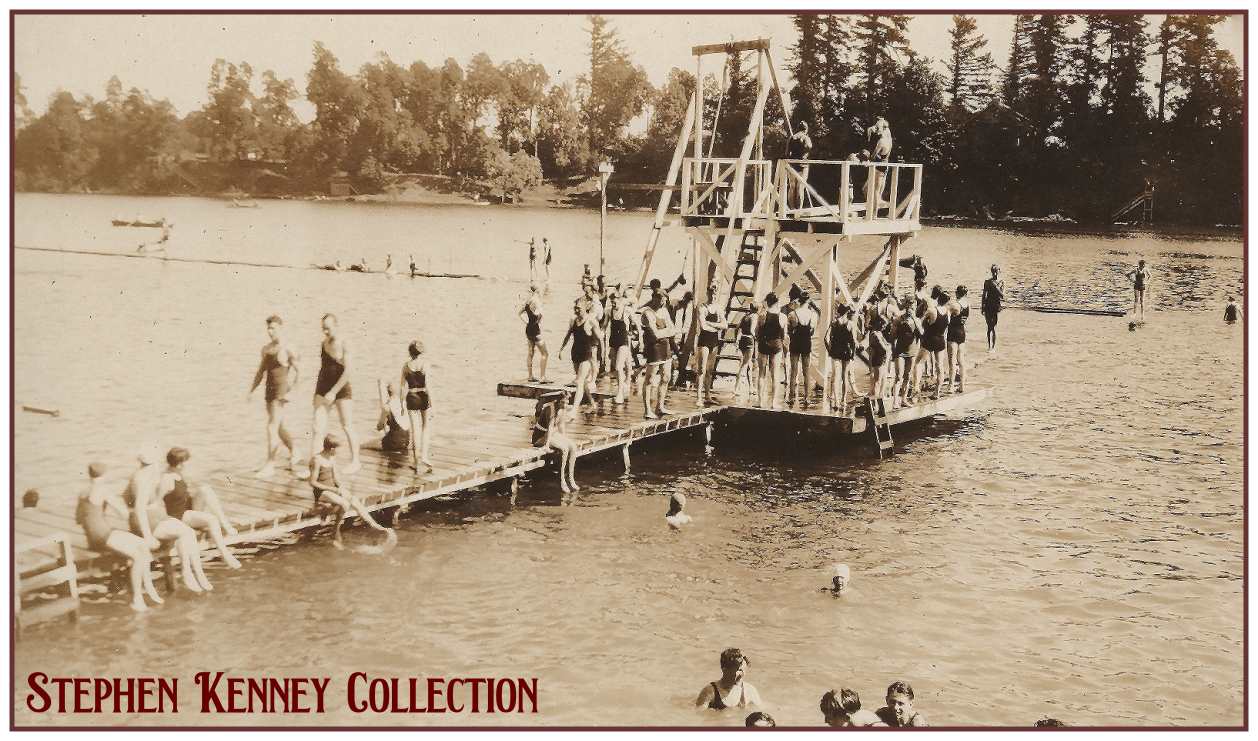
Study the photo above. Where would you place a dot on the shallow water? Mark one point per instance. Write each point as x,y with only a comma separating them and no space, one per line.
1080,533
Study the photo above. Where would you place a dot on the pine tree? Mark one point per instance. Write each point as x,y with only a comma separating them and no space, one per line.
880,38
808,69
1019,62
969,67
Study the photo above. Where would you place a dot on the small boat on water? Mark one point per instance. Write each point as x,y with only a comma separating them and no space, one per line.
140,223
242,204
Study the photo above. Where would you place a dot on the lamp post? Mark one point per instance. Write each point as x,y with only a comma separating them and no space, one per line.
605,171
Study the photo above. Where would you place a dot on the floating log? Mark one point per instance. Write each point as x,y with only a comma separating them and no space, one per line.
41,410
1069,310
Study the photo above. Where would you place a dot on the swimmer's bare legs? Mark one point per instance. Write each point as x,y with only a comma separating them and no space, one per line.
666,375
345,411
209,523
647,386
132,547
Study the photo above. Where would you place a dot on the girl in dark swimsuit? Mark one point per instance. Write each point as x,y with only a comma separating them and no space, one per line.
746,348
150,521
531,314
90,513
840,344
586,337
876,356
732,690
201,511
934,335
711,324
960,311
415,392
618,341
906,345
278,368
769,337
326,483
332,389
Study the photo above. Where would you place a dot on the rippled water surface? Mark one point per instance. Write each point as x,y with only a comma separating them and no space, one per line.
1077,537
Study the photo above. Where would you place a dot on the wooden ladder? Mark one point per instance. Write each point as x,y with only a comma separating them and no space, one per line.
876,412
741,293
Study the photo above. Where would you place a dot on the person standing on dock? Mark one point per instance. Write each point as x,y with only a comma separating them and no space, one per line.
935,320
731,690
992,301
549,431
414,267
531,315
326,481
621,318
960,312
770,335
906,345
532,260
711,325
414,389
278,368
840,342
332,389
90,514
586,336
747,349
658,331
546,258
1140,278
801,325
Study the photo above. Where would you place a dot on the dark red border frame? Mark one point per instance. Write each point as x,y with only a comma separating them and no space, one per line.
1242,11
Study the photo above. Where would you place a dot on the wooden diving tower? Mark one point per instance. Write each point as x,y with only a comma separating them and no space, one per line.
760,224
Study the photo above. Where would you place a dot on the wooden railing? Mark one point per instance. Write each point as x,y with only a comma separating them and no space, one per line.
711,185
838,190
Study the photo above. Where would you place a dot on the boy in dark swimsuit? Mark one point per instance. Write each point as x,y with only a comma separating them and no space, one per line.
326,483
332,389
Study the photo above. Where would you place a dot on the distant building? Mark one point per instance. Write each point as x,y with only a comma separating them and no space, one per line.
339,185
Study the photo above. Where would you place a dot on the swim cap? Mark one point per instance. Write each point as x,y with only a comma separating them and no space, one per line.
149,453
841,569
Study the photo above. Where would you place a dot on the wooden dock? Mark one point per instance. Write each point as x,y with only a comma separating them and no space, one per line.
50,550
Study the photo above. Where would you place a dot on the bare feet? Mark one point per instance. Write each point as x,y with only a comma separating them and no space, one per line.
231,561
138,604
354,466
563,485
190,582
267,471
204,581
649,415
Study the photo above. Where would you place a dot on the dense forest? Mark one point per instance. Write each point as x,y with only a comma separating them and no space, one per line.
1068,122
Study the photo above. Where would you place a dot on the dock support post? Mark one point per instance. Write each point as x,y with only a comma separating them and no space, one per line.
514,488
624,453
707,434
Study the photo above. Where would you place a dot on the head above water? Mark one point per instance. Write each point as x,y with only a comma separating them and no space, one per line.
840,577
760,719
734,664
900,701
995,270
96,469
837,706
30,499
676,503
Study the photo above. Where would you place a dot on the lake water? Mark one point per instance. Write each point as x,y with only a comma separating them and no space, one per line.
1072,549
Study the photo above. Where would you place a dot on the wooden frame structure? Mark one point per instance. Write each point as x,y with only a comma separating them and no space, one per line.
760,224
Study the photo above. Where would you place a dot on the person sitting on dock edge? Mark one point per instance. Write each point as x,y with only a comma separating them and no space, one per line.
197,507
549,432
150,521
731,690
90,514
899,711
325,482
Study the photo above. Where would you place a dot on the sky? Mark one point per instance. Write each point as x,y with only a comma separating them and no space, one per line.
170,55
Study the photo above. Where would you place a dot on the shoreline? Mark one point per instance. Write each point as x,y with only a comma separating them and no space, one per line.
552,197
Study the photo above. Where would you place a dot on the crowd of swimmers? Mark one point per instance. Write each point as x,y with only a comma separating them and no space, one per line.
388,270
641,345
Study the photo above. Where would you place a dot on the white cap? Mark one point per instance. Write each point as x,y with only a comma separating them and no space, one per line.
841,569
149,453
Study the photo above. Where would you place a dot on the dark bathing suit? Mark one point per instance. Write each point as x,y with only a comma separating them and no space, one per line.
657,349
716,703
276,376
877,350
842,343
582,346
771,334
1229,314
801,338
619,333
905,344
934,337
991,303
325,481
417,390
745,337
92,518
532,330
709,338
542,425
956,327
1139,280
178,500
330,371
157,513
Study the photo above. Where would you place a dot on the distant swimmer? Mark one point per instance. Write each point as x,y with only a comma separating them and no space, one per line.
326,484
388,266
992,301
332,389
842,575
336,266
531,315
676,516
546,257
899,711
760,720
414,267
1233,312
842,709
278,367
1050,723
360,267
160,244
731,690
549,432
415,391
1140,279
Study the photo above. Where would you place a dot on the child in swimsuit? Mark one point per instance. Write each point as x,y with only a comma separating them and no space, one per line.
90,513
326,483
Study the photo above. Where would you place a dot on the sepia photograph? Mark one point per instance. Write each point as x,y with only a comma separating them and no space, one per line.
684,369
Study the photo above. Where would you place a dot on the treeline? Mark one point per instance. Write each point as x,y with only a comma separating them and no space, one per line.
1065,124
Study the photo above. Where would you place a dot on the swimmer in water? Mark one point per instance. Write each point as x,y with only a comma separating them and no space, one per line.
326,483
842,709
414,267
899,711
414,389
676,516
731,690
90,514
760,720
160,244
388,265
278,368
360,267
549,432
842,575
332,389
197,507
531,315
1233,312
1140,279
